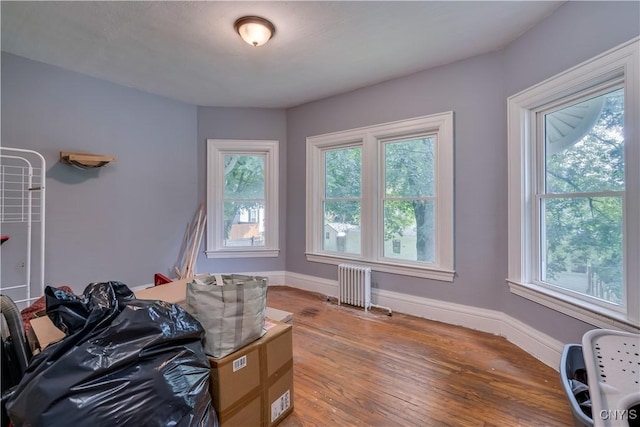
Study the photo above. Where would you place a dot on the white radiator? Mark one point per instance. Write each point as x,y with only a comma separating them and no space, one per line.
354,285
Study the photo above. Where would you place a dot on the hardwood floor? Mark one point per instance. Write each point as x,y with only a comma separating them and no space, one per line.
353,368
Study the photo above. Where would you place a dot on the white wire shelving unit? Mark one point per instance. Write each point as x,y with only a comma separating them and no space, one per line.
22,219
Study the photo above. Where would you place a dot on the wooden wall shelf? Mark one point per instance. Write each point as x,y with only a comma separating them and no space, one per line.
84,160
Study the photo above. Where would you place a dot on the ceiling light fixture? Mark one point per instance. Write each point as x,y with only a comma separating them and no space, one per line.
254,30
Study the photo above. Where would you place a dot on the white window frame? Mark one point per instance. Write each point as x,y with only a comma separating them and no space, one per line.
216,150
618,64
371,139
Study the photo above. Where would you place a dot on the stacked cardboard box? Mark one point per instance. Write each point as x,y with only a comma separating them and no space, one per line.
254,385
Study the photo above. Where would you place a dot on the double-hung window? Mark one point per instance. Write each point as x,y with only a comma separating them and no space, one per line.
574,191
383,196
242,198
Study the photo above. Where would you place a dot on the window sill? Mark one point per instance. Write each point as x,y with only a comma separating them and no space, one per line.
403,269
254,253
581,310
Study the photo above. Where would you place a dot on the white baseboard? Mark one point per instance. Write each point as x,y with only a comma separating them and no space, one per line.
541,346
275,277
312,284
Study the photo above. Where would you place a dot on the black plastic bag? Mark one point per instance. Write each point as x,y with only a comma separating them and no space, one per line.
124,362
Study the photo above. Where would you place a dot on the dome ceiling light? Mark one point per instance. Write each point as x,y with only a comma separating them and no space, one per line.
254,30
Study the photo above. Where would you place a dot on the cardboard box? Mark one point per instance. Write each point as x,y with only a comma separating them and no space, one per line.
174,292
254,385
46,332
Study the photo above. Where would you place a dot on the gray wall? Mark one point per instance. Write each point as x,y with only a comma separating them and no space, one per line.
124,221
244,123
476,90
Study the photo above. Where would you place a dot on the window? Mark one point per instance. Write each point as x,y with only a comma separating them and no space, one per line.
342,199
383,196
574,191
253,214
409,199
242,198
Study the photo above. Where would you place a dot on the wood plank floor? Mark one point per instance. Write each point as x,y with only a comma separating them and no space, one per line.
353,368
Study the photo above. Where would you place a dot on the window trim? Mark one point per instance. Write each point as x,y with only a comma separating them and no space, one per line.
216,150
619,62
371,139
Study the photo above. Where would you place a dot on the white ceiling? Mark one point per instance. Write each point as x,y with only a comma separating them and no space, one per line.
189,51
